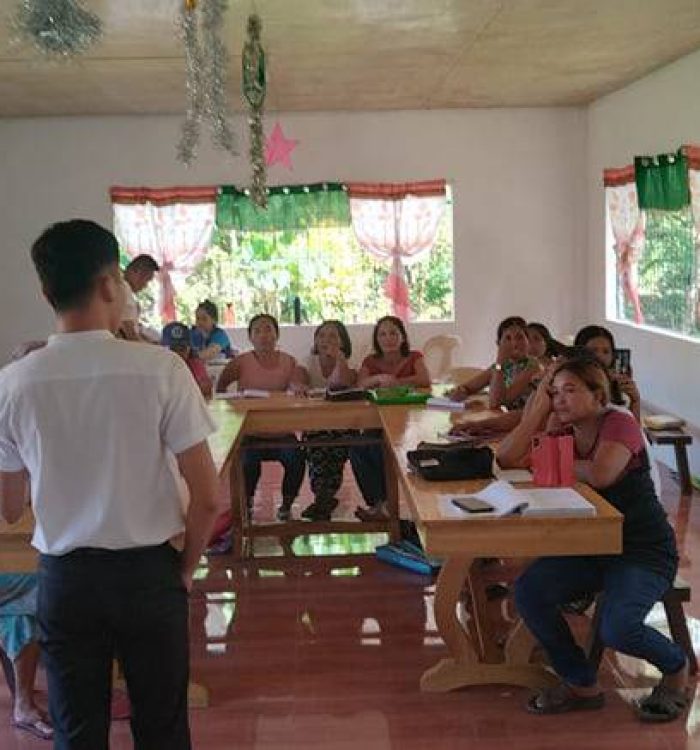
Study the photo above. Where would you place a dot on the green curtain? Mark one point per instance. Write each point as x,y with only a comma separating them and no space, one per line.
292,207
662,181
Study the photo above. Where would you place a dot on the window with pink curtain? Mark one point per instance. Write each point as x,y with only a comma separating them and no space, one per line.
627,223
397,223
173,225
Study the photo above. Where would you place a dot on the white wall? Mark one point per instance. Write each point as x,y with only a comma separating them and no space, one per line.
654,115
519,227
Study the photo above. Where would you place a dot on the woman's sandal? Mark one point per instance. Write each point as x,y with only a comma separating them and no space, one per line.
562,699
38,726
662,704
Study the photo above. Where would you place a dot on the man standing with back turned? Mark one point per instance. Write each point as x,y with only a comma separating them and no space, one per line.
103,431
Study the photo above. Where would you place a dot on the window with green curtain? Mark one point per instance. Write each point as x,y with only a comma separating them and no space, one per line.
295,207
303,250
662,181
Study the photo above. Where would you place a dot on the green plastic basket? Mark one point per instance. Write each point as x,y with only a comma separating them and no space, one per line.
397,395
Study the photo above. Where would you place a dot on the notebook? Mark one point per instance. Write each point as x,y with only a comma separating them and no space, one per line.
537,502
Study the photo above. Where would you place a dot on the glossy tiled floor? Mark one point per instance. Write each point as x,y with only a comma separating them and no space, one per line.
325,650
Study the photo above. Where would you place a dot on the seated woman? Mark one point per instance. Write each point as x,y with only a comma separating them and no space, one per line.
393,362
610,456
623,390
542,345
328,368
208,340
267,368
510,379
19,651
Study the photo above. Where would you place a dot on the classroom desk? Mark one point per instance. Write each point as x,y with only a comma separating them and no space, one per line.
474,657
280,414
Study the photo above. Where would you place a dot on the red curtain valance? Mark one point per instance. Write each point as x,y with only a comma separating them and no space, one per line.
163,196
395,190
618,176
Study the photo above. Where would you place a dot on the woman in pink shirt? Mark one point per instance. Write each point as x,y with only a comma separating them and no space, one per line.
267,368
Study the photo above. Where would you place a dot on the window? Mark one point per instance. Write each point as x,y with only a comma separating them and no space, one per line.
652,259
246,272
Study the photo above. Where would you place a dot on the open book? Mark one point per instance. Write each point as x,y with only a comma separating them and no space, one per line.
505,500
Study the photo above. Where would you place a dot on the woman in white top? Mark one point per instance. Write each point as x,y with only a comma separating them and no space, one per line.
328,368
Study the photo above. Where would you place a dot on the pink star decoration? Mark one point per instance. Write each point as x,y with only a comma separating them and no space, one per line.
278,148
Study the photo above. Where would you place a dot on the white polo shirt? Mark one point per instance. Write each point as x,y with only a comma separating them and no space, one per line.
98,422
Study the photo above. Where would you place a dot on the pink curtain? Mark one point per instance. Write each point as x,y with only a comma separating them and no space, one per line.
693,154
173,225
397,223
627,223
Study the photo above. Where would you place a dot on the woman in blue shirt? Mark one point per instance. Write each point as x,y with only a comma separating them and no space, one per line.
208,340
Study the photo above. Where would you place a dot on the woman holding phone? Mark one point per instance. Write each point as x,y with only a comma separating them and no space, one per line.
623,390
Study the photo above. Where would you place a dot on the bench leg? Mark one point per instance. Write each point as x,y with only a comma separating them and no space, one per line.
683,469
678,626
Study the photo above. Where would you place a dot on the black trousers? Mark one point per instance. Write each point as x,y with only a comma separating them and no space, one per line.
96,604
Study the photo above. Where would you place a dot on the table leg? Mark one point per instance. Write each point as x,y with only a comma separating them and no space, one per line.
392,492
683,469
464,666
239,510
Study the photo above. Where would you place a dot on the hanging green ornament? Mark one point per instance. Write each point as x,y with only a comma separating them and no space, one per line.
254,89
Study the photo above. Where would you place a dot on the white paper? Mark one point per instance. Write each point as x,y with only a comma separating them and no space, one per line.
504,498
440,402
556,501
537,502
255,393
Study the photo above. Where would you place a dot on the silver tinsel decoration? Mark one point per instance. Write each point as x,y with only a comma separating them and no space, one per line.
57,29
187,148
206,60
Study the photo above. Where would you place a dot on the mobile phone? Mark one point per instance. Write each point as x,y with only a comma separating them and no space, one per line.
472,504
622,364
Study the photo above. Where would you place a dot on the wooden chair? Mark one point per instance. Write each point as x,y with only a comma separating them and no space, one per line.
438,352
677,625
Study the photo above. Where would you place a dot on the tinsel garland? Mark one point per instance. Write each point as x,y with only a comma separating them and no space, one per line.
57,29
254,89
205,66
187,148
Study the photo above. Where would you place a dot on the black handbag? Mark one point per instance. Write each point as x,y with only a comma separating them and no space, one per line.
452,463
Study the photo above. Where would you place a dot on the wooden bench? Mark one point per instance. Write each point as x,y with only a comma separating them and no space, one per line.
677,625
680,440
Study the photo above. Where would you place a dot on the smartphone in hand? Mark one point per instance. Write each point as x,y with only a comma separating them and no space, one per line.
622,362
472,504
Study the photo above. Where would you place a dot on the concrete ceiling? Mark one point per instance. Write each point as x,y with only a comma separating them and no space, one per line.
364,54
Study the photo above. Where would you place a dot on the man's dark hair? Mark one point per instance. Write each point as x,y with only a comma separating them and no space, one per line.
68,257
143,262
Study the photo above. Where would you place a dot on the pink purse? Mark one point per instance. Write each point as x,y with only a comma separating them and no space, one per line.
553,460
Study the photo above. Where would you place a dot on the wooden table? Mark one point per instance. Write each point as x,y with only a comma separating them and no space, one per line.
475,659
280,414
